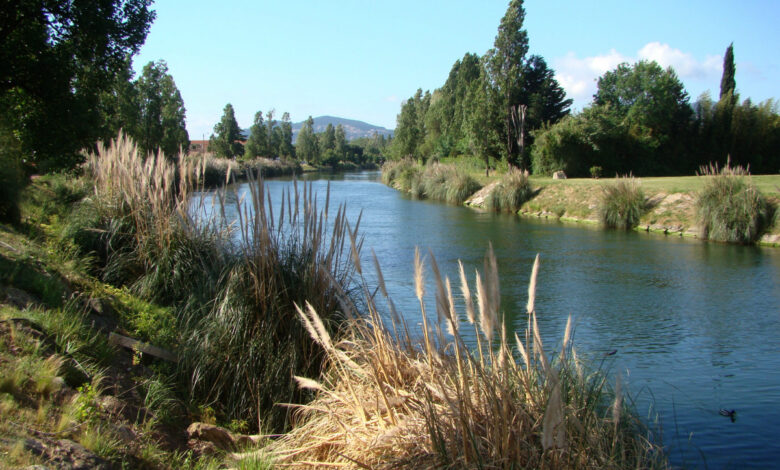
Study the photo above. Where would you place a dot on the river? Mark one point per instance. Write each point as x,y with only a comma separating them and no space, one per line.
696,325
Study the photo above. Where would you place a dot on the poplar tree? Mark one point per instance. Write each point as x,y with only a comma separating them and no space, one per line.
161,114
306,145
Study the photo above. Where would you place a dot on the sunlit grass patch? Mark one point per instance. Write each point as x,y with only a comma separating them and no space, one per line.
622,204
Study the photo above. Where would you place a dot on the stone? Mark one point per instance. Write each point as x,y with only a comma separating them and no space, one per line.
559,175
65,454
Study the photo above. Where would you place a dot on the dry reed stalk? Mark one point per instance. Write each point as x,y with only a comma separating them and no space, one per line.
401,408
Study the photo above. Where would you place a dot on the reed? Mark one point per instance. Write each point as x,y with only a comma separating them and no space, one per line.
386,402
729,207
437,181
512,191
231,287
622,203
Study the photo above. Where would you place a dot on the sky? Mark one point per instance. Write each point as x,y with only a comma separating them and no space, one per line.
359,59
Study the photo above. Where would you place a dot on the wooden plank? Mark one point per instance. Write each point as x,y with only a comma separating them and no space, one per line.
145,348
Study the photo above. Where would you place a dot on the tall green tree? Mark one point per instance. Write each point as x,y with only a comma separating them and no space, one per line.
161,113
225,140
506,67
482,121
306,146
286,148
272,134
341,142
257,144
58,57
728,81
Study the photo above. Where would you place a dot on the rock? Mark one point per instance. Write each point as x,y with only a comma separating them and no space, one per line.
220,437
559,175
18,298
478,199
65,454
125,434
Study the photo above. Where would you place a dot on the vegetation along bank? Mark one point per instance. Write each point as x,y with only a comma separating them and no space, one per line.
720,204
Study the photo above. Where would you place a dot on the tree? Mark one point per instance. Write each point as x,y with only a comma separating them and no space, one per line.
286,149
728,82
408,134
341,142
651,107
482,121
161,114
257,144
505,67
58,58
225,140
306,146
272,136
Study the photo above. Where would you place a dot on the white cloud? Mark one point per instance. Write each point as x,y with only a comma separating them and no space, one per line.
683,63
578,76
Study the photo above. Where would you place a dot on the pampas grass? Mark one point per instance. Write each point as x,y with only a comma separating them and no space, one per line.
730,208
231,287
511,192
622,203
435,181
387,403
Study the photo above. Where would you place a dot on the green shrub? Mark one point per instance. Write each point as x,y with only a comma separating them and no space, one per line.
622,203
512,191
729,207
595,172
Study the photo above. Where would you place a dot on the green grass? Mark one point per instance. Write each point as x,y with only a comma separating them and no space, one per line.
435,181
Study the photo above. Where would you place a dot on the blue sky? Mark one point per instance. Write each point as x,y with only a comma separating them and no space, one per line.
360,59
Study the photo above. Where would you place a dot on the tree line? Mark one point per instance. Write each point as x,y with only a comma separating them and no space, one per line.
506,106
269,138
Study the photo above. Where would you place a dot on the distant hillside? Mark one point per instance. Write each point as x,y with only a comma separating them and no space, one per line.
354,129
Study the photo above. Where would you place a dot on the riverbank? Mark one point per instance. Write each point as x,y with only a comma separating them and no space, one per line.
110,312
671,202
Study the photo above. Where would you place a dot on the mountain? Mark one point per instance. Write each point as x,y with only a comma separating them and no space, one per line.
353,128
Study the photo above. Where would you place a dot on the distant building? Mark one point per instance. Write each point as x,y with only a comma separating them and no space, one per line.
199,146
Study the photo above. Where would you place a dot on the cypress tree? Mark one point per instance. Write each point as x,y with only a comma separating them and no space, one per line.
728,81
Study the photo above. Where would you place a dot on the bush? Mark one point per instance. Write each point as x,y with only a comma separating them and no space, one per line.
622,204
729,207
511,192
595,172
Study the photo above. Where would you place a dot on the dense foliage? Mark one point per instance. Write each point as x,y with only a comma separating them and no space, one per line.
59,59
641,121
488,105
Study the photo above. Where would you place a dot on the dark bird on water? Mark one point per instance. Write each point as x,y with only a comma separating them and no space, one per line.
729,414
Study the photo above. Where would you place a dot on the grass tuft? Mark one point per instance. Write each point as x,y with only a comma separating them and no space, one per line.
729,207
622,203
511,192
436,181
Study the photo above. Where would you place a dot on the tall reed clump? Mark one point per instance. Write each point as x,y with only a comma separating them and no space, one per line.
511,192
404,175
389,402
447,183
622,203
231,286
242,353
729,207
